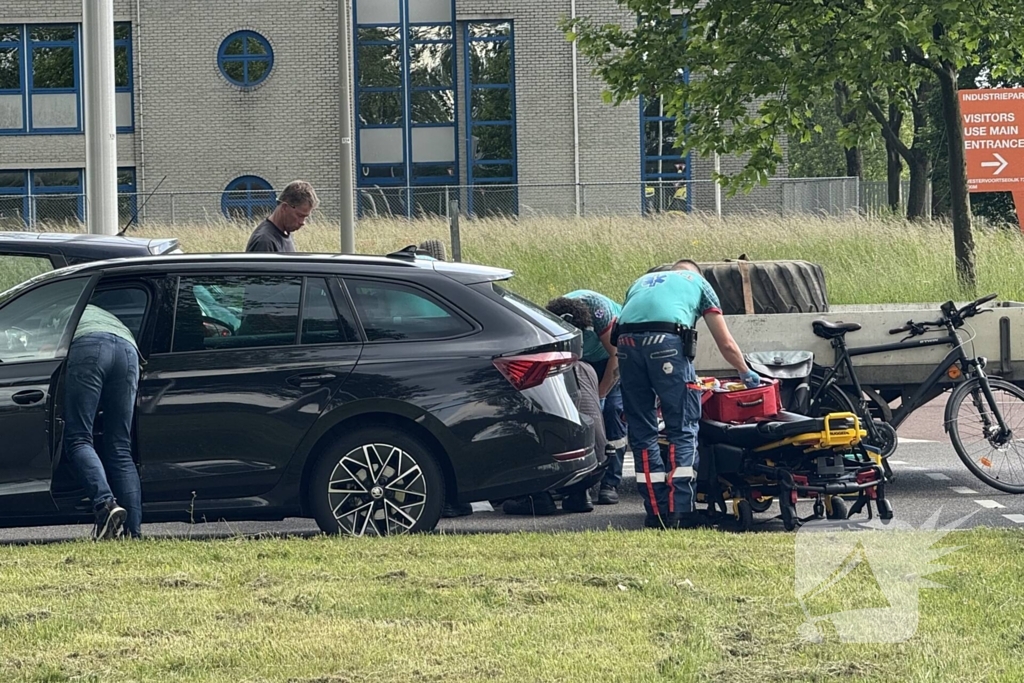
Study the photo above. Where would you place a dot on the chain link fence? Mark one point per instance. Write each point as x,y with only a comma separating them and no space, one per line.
779,197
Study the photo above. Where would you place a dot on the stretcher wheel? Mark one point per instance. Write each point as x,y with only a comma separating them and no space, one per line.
760,505
789,517
839,509
884,508
745,515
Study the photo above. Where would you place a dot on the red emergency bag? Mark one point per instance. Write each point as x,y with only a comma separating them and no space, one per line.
744,405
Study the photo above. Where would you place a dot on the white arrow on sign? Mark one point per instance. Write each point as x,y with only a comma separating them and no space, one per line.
1001,163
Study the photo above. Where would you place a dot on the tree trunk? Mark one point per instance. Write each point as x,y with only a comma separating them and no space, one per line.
960,205
920,173
854,162
893,162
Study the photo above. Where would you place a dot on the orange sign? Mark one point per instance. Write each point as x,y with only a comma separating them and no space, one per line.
994,142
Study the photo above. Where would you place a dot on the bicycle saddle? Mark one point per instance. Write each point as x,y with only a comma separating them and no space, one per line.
830,330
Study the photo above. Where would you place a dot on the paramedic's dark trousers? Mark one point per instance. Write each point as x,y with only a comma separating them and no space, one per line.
614,429
653,364
103,374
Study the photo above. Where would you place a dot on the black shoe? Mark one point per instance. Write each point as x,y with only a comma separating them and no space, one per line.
578,502
609,495
656,522
457,510
539,504
109,521
687,520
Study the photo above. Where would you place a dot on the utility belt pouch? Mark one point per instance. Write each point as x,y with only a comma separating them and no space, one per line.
689,337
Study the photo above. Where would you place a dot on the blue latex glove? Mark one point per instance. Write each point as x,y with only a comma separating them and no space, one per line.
751,379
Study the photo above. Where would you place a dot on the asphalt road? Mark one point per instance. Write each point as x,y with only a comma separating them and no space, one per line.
929,477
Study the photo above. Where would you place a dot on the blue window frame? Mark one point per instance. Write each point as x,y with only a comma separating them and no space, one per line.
248,197
124,77
405,106
491,118
56,196
41,79
127,200
245,58
54,79
14,206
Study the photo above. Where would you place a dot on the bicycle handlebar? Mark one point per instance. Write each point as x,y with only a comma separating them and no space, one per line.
950,315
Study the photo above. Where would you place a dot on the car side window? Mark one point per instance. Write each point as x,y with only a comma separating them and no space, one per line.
321,323
235,312
128,304
392,311
15,268
33,324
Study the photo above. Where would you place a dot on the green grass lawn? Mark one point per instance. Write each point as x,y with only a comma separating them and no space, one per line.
604,606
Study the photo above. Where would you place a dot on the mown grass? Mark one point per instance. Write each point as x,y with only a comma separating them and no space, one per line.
865,260
598,606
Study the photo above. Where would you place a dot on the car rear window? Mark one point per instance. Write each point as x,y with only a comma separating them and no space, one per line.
541,317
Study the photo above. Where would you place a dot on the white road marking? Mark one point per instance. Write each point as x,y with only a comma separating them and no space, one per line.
937,476
898,462
1016,519
990,504
963,490
482,506
902,440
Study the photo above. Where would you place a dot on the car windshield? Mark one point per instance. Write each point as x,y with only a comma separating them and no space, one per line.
13,291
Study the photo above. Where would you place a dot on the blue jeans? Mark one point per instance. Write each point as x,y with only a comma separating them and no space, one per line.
103,374
653,364
614,428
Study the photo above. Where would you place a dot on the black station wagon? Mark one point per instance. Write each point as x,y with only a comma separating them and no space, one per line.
365,392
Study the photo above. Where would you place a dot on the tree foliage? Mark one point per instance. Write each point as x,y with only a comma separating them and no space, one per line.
760,67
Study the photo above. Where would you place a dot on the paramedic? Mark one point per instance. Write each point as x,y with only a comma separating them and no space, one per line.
596,319
657,319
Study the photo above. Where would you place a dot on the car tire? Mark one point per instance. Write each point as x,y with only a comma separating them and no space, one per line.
435,249
376,481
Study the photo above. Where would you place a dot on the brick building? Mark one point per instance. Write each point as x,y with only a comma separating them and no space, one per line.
465,99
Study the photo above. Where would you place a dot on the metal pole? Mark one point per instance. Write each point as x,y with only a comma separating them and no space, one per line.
348,216
453,226
718,187
100,116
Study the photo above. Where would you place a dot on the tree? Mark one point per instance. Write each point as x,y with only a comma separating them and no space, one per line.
758,66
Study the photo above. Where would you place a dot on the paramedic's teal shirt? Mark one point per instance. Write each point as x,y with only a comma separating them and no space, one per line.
603,311
677,296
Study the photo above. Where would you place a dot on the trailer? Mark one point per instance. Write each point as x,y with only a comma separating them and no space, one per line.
997,335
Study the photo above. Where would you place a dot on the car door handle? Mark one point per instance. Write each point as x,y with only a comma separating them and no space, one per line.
316,379
28,397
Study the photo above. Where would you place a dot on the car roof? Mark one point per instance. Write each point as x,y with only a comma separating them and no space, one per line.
466,273
87,245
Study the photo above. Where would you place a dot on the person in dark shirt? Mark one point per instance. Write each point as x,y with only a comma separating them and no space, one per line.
296,202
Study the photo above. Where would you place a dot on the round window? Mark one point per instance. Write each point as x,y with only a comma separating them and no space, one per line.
245,58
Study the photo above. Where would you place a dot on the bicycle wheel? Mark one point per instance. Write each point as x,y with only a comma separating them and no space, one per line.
997,459
833,400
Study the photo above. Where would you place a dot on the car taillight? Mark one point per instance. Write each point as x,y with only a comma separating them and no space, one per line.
532,369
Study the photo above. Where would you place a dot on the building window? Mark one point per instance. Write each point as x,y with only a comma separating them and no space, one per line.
491,118
245,58
126,195
41,78
14,209
248,197
405,105
57,197
123,77
666,173
54,84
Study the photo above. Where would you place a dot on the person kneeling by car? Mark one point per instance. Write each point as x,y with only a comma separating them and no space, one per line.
656,344
577,497
103,374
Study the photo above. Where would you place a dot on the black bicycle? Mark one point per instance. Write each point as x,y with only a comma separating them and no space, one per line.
983,413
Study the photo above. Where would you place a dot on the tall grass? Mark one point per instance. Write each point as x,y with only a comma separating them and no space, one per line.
865,261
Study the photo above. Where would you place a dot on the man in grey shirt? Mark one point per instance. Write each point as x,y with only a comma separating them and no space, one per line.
296,202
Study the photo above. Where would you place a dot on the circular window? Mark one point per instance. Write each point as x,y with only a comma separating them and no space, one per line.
248,197
245,58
